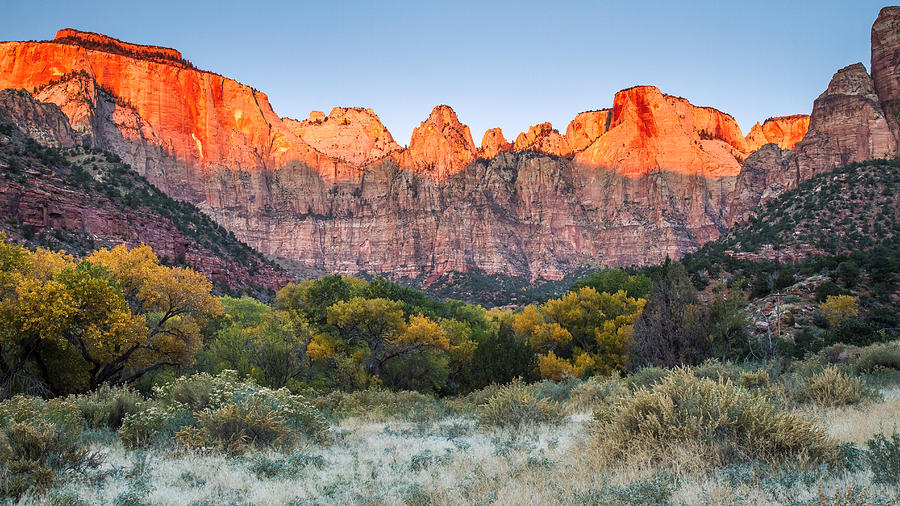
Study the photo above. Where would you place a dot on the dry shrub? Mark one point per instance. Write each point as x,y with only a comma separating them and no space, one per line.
223,412
515,406
851,497
754,379
727,423
831,387
596,392
38,441
237,428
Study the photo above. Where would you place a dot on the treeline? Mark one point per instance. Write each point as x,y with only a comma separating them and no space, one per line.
120,316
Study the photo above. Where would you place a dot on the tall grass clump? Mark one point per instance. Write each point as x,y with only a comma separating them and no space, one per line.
204,411
726,422
514,405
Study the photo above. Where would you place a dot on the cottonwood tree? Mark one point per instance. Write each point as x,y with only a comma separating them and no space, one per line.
374,332
111,317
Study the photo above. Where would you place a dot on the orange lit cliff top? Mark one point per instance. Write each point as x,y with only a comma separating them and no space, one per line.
101,42
213,123
786,131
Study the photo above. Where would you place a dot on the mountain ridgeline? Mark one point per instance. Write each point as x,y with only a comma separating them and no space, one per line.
652,176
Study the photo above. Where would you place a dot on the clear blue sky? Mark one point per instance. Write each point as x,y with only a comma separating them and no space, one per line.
507,64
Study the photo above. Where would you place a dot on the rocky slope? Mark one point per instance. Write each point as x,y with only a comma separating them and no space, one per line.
55,193
652,176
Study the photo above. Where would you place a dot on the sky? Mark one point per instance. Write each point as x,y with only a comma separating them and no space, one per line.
506,64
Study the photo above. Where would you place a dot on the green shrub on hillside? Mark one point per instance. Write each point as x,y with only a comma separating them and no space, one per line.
871,358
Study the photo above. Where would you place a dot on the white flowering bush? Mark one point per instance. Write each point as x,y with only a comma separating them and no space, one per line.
205,411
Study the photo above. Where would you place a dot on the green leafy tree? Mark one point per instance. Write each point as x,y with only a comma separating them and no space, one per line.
612,280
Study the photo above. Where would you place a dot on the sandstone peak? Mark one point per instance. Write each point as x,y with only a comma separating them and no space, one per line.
648,130
786,131
542,138
493,143
847,124
851,80
440,145
353,134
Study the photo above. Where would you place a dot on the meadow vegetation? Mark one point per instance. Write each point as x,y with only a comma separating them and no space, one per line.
127,381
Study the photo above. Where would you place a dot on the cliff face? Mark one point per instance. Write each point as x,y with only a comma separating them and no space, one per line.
886,64
61,201
652,176
785,131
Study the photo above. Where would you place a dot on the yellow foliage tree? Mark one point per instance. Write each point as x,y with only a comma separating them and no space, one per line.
374,332
580,333
109,318
838,307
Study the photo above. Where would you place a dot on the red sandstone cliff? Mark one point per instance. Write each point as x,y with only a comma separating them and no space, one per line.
49,201
204,119
586,128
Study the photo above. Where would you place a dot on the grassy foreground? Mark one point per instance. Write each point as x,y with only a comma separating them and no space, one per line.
819,431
